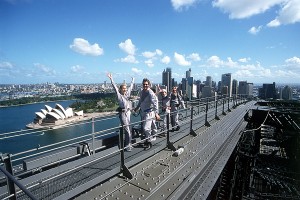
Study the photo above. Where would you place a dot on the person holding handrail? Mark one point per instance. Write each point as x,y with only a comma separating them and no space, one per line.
176,101
165,107
148,104
124,109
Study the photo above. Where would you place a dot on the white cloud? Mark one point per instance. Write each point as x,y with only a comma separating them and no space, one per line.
129,59
6,65
265,73
180,60
166,60
244,60
128,47
254,30
250,67
77,68
286,74
149,54
242,74
178,5
158,52
293,61
288,10
136,70
45,70
230,63
149,63
245,8
289,14
83,47
214,61
292,64
194,57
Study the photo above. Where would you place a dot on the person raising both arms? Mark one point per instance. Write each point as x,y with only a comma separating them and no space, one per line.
124,109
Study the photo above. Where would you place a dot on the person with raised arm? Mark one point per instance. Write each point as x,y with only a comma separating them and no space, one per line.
148,104
124,109
165,107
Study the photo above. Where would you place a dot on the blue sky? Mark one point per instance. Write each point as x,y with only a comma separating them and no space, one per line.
76,41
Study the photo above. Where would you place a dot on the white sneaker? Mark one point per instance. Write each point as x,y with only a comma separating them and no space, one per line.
152,139
128,148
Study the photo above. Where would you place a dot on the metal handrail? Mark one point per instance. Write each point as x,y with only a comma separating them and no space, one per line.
99,132
12,178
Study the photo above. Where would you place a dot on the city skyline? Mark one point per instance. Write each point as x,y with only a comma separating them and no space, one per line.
79,43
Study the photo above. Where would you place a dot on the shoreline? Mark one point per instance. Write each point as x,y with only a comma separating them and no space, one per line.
36,103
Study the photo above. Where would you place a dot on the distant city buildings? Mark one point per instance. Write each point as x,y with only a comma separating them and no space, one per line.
189,86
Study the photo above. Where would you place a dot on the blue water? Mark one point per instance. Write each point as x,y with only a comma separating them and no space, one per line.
14,119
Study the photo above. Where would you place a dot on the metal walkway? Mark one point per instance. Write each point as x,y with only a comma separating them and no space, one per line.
191,175
155,178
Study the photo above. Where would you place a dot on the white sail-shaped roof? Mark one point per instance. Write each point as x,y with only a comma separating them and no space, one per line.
48,108
59,113
53,114
44,111
58,106
40,115
69,112
79,113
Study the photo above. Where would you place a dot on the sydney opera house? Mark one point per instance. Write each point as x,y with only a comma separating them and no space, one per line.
55,116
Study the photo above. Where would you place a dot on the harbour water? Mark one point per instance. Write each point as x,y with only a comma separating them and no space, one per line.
14,119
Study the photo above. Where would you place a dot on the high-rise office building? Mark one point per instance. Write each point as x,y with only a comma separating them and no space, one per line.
287,93
208,81
250,90
242,88
268,91
234,87
190,88
188,73
245,89
198,85
167,78
206,92
226,82
184,86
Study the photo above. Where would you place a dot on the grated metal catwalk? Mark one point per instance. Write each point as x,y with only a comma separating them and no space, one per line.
76,177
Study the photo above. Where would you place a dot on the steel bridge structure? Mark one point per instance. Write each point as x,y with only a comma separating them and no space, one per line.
184,164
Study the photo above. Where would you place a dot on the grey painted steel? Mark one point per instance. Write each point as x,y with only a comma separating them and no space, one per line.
166,177
63,183
15,181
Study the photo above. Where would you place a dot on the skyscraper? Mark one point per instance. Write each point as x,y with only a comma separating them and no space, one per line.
287,93
208,81
268,91
226,83
188,73
245,88
167,78
234,87
242,87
